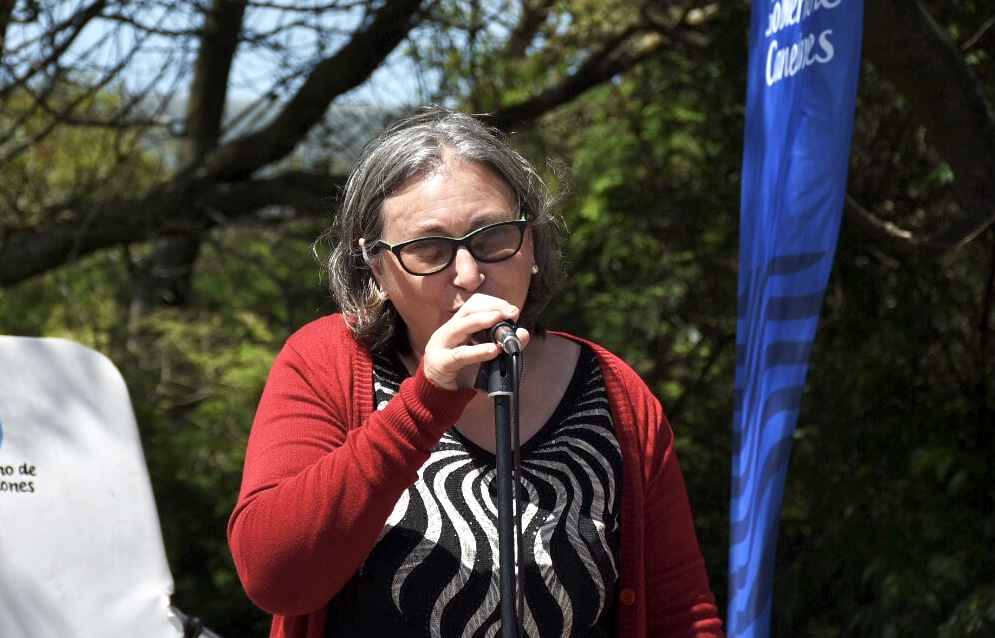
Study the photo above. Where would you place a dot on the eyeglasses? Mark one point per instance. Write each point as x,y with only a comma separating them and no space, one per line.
489,244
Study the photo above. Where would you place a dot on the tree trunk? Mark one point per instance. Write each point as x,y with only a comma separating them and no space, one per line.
168,281
924,64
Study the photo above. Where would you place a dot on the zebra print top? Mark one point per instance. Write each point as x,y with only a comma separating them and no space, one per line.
434,569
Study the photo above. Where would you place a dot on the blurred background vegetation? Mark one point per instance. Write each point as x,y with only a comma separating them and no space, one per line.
165,166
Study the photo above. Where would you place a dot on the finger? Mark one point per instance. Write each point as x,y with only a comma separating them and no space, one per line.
455,368
479,302
474,327
524,337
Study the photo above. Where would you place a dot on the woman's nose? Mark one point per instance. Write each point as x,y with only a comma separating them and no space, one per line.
468,273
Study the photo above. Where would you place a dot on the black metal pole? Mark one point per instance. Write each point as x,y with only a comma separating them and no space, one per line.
501,386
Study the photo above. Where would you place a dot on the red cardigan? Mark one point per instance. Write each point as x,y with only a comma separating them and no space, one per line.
323,471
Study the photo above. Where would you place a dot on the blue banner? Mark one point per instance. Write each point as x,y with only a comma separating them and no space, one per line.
802,86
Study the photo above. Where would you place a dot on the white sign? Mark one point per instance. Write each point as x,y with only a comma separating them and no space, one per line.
81,552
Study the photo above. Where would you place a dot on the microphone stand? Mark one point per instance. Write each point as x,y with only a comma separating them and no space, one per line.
500,377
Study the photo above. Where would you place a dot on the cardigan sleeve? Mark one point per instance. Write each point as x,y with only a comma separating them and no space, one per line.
316,491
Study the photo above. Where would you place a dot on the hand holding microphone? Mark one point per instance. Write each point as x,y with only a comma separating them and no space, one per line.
454,351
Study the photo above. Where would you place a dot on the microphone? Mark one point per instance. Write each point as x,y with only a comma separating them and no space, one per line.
503,334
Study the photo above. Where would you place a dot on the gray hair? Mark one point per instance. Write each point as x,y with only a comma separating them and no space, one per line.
413,146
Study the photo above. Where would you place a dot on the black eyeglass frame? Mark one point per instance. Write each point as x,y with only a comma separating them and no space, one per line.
455,242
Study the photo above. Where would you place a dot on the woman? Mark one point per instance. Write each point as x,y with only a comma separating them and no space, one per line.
367,504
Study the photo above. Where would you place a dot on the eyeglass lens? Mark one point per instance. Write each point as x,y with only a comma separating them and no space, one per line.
489,245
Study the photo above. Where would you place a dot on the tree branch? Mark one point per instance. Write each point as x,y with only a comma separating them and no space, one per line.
331,77
897,239
6,13
524,33
616,56
218,43
29,252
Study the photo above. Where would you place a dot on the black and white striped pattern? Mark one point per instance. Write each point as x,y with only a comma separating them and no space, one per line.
435,566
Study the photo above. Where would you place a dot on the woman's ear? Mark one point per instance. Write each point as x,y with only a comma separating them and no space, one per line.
373,263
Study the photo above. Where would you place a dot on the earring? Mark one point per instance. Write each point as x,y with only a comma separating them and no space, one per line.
383,296
535,269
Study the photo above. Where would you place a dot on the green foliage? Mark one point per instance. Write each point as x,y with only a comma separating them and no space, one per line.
195,375
195,404
974,617
61,147
890,509
494,53
200,371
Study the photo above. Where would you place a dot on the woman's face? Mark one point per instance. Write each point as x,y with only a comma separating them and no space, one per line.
454,200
